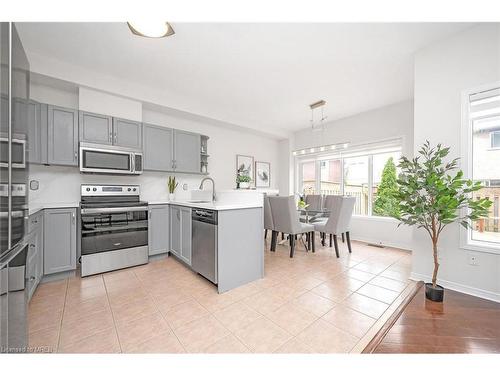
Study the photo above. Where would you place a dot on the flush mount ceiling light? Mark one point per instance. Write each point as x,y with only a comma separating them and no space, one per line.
151,29
318,125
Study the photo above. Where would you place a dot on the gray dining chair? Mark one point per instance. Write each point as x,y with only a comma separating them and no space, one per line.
328,203
315,201
286,220
339,220
268,218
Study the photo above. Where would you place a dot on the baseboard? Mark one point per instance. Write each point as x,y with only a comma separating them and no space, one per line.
386,244
476,292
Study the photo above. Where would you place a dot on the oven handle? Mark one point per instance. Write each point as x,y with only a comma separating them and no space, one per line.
112,209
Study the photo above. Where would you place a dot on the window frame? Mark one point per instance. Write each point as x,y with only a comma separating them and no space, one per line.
373,148
466,151
492,133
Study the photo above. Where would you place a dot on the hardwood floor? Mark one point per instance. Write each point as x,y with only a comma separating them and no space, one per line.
461,324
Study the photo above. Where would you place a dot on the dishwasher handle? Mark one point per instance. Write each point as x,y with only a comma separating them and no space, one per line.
206,216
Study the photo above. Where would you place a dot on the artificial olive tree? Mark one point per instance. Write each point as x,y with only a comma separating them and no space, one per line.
434,194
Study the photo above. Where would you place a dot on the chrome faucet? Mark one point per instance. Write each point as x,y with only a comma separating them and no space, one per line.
213,187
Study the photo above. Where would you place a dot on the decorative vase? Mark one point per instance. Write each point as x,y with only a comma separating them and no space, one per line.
244,185
434,294
171,197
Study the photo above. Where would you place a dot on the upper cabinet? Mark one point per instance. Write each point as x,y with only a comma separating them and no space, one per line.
37,133
158,148
187,149
95,128
107,130
55,133
62,135
127,133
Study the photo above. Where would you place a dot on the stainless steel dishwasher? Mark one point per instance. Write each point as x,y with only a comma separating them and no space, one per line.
204,243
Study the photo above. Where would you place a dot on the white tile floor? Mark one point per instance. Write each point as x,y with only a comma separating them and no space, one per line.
313,303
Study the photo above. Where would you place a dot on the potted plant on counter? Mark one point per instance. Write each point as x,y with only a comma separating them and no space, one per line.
432,196
172,185
243,181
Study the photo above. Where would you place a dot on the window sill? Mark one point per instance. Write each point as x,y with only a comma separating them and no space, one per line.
376,218
481,247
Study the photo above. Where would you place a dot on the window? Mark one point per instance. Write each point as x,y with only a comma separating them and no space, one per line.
495,139
308,173
356,172
330,177
483,162
384,186
365,172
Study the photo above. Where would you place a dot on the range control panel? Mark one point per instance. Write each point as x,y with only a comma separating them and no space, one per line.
103,190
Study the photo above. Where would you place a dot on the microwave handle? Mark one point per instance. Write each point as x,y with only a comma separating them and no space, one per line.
132,157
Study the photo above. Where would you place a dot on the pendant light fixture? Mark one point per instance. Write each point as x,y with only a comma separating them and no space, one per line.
151,29
318,125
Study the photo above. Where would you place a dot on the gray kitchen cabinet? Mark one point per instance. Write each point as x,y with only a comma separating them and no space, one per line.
95,128
62,135
59,238
34,262
187,151
37,133
158,229
175,230
186,234
127,133
180,232
157,148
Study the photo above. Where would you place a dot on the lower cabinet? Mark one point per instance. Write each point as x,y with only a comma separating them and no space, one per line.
180,232
158,229
34,262
59,238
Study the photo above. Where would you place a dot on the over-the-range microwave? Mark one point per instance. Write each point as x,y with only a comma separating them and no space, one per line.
95,158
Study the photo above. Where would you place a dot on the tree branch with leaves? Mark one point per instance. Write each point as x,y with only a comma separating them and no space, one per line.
433,194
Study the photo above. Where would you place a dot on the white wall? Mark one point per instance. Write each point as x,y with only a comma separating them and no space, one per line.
463,61
393,121
62,184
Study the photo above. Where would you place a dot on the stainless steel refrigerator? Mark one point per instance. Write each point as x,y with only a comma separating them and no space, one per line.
14,171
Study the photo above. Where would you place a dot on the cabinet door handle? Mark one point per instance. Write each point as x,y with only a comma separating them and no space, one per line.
73,217
110,137
150,214
76,155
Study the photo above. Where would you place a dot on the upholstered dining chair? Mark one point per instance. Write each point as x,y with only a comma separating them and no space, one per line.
268,217
315,201
339,220
328,203
286,220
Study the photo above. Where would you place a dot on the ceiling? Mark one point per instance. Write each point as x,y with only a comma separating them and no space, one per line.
260,76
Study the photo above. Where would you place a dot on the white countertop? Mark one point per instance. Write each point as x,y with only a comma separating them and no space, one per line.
211,206
35,207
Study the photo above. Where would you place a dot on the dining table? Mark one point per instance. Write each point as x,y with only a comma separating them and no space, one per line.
309,216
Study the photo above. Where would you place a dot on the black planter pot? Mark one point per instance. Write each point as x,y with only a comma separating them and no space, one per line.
434,294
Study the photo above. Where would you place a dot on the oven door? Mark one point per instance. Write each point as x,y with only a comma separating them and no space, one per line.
110,229
95,160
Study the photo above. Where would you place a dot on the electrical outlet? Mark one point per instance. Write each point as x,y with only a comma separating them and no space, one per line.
473,260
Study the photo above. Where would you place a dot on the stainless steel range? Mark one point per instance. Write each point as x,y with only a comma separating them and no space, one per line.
114,228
